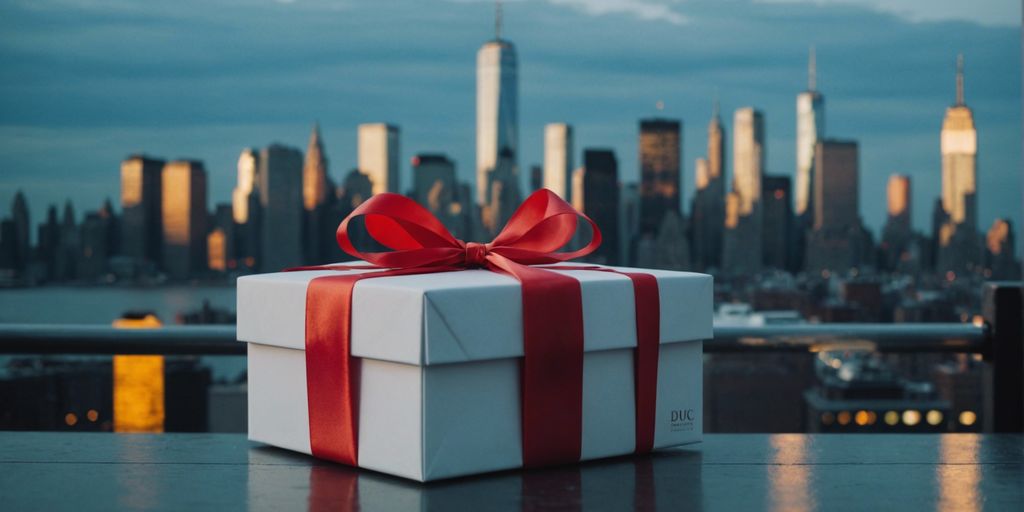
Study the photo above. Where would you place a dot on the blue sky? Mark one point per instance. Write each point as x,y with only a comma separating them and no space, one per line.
83,83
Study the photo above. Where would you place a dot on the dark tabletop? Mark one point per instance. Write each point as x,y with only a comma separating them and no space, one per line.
80,471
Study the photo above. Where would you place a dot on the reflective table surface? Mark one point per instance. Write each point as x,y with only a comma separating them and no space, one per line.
94,471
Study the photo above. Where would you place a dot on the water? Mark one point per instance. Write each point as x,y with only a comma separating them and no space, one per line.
101,305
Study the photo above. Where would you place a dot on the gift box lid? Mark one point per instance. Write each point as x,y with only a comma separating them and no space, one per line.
469,315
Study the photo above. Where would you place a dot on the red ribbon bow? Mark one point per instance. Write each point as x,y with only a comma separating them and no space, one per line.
552,367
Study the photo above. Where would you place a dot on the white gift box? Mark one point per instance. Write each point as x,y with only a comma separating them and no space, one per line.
439,382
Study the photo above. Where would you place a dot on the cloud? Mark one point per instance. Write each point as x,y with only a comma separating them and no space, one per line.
646,10
986,12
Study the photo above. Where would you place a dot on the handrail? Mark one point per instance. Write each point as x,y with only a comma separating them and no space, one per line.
221,340
106,340
893,338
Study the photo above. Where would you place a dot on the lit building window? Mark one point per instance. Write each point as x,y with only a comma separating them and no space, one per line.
911,417
968,418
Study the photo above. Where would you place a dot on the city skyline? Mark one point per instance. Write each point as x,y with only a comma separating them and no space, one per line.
607,124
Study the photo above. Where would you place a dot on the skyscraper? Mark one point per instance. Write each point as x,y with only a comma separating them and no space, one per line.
379,156
220,242
1000,260
959,145
742,240
245,207
810,126
660,157
837,242
776,210
49,241
22,248
183,203
836,184
748,156
248,163
318,225
596,194
314,172
141,210
708,212
497,109
433,177
280,192
503,195
897,233
898,199
558,166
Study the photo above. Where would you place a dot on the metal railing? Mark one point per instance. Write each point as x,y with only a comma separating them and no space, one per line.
999,341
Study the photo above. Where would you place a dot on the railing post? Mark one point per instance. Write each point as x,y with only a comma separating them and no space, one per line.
1003,309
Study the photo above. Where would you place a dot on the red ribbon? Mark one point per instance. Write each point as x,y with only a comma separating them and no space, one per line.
552,366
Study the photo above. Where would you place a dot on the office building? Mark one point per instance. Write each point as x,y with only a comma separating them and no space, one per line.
595,192
280,193
837,241
558,163
707,219
660,157
141,209
379,156
183,203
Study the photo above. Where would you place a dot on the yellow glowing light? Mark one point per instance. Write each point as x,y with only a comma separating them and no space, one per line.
865,418
827,418
967,418
93,415
892,418
911,417
836,363
978,321
70,419
933,417
149,321
138,385
138,393
843,417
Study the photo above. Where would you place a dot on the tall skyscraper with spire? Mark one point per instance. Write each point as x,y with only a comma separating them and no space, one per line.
810,127
314,172
497,114
959,145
